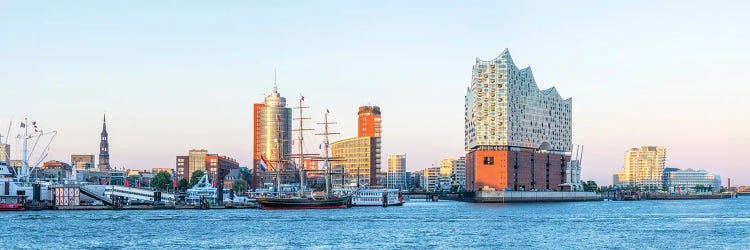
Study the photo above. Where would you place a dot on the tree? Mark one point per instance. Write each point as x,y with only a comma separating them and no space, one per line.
183,184
589,186
196,176
239,186
162,180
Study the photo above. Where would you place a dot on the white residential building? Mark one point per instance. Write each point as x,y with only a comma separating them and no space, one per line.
396,172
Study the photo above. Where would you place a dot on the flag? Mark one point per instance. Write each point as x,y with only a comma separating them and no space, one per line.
138,184
127,183
174,182
263,164
328,111
320,146
23,125
278,117
213,183
303,97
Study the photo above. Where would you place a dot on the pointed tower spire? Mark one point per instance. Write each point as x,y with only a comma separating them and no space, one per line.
104,147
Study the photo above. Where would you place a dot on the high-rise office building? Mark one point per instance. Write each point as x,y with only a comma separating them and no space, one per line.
360,159
368,122
273,130
643,167
396,172
517,136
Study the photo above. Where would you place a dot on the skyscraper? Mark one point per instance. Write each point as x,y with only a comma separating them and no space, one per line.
517,136
396,172
643,167
104,147
273,127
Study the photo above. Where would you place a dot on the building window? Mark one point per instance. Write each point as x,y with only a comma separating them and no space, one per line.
489,160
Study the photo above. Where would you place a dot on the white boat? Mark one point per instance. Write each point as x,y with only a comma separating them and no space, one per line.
377,197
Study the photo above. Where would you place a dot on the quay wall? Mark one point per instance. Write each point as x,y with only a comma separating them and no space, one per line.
530,196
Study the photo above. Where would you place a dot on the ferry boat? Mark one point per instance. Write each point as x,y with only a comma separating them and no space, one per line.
377,197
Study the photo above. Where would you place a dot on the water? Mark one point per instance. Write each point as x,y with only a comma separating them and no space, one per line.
704,224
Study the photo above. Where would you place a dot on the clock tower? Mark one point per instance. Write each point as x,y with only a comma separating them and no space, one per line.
104,147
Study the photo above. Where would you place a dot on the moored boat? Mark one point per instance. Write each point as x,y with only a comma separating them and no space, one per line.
302,203
377,197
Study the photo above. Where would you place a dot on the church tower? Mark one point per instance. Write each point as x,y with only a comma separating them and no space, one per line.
104,147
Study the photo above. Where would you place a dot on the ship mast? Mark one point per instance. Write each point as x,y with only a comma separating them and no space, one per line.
326,159
300,141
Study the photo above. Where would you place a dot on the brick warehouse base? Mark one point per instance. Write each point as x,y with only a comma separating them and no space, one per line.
515,169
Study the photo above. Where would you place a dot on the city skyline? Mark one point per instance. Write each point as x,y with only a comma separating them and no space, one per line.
188,78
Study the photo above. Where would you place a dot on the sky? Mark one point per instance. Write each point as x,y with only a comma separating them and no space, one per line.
177,75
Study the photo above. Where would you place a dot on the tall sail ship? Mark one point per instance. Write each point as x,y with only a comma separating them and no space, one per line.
302,200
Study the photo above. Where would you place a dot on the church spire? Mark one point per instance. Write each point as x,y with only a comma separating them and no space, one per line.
104,147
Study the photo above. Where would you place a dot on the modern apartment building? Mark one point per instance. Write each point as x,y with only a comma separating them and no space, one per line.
643,168
517,136
396,174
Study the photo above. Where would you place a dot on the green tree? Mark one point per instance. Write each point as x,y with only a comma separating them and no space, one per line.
183,184
590,186
162,180
239,186
196,176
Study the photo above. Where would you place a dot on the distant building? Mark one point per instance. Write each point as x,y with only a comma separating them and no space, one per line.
273,131
415,179
82,162
431,179
665,176
396,173
5,153
616,180
446,167
104,147
242,173
157,170
692,180
459,173
360,159
56,165
644,167
216,166
517,136
369,121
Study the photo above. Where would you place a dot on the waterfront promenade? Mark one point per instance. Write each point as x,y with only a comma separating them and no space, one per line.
689,224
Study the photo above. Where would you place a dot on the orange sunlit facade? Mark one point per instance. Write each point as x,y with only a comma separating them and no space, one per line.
257,107
368,122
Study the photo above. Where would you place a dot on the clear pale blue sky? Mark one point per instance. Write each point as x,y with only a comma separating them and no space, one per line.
176,75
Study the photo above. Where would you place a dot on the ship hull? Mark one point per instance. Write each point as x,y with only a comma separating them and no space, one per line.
11,207
301,203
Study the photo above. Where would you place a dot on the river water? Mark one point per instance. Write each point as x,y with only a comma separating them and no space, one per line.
691,224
